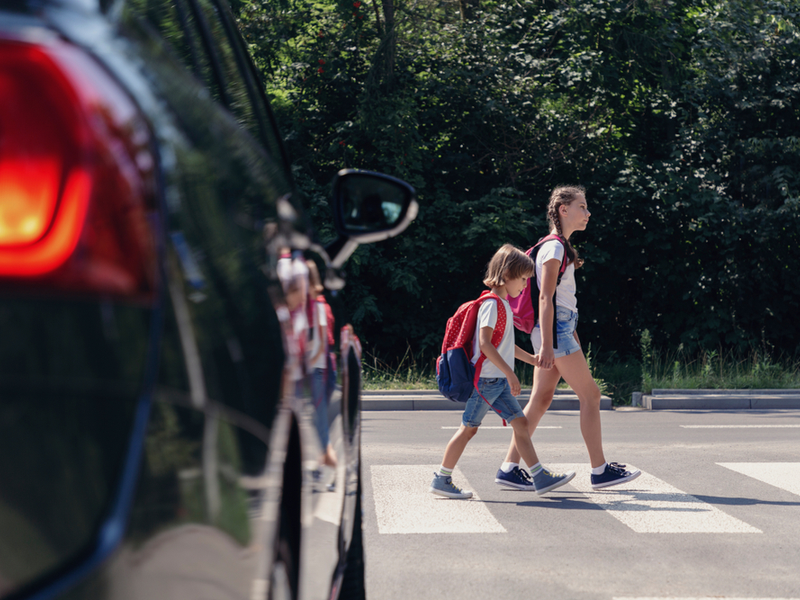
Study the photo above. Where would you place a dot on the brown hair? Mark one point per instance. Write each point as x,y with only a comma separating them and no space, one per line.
509,262
564,195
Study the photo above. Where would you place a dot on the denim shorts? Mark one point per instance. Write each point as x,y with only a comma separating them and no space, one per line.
497,392
566,323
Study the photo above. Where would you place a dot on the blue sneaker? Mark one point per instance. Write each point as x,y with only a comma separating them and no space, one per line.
516,478
546,481
444,486
614,474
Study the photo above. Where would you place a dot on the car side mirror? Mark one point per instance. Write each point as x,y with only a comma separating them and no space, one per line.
368,207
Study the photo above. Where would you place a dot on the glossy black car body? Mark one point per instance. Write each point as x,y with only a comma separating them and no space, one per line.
151,443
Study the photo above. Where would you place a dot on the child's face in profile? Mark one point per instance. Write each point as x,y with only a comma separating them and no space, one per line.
515,286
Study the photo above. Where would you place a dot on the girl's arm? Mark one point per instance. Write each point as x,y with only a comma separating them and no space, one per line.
321,331
323,335
547,311
491,353
525,356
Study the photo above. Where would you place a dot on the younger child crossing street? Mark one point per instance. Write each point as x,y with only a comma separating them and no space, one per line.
506,275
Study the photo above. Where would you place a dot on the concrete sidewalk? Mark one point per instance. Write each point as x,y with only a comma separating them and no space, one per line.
567,400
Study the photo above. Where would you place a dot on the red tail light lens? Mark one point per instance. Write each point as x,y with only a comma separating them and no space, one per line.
76,176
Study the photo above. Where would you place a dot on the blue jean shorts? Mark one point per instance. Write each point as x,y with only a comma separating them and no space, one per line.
566,323
497,392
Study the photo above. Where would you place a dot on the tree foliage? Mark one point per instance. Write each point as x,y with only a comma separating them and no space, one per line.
679,117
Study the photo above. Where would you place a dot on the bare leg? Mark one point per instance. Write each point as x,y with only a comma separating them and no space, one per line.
576,373
456,445
522,440
545,382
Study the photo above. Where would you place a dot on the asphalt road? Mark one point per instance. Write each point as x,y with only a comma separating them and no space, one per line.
715,514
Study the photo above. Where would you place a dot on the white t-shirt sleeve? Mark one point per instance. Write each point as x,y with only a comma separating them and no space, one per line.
550,250
487,317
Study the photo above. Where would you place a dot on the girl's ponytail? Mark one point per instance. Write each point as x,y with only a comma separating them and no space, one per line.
561,196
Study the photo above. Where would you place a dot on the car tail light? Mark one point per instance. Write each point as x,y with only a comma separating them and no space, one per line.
76,176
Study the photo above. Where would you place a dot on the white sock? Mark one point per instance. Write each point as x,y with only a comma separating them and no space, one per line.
535,468
507,467
445,472
599,470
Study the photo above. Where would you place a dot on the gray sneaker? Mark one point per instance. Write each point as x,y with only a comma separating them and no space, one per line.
444,486
545,480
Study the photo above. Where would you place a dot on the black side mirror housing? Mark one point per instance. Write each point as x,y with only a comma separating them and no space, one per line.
368,207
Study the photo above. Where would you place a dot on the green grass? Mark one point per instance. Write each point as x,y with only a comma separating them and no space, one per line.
713,370
619,377
410,373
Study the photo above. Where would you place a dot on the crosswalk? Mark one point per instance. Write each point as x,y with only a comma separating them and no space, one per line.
647,505
650,505
779,475
404,505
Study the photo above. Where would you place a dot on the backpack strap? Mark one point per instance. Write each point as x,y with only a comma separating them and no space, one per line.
497,337
552,236
499,329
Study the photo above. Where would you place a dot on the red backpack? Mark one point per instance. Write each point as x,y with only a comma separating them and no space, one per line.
455,373
524,305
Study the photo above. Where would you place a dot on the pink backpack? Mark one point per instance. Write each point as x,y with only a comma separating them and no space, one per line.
524,306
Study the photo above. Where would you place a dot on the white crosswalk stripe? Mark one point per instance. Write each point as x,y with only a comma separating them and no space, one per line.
692,598
766,426
649,505
785,476
485,427
404,505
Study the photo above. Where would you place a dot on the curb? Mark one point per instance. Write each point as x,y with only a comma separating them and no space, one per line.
721,400
374,400
778,399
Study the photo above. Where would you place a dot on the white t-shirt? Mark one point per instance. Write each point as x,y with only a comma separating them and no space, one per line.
487,317
565,295
289,269
321,319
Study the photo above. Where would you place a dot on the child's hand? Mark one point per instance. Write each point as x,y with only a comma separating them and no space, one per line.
535,362
516,388
546,359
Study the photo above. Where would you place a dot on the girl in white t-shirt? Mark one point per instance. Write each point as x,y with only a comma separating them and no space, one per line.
567,212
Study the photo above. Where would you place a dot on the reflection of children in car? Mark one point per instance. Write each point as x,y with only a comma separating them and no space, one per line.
317,357
372,214
293,275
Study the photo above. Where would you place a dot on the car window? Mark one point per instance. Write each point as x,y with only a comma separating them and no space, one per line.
237,77
235,87
200,34
177,26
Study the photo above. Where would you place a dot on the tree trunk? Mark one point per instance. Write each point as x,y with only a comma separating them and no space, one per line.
468,8
390,42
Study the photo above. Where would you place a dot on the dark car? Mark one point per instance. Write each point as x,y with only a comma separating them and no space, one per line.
158,436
